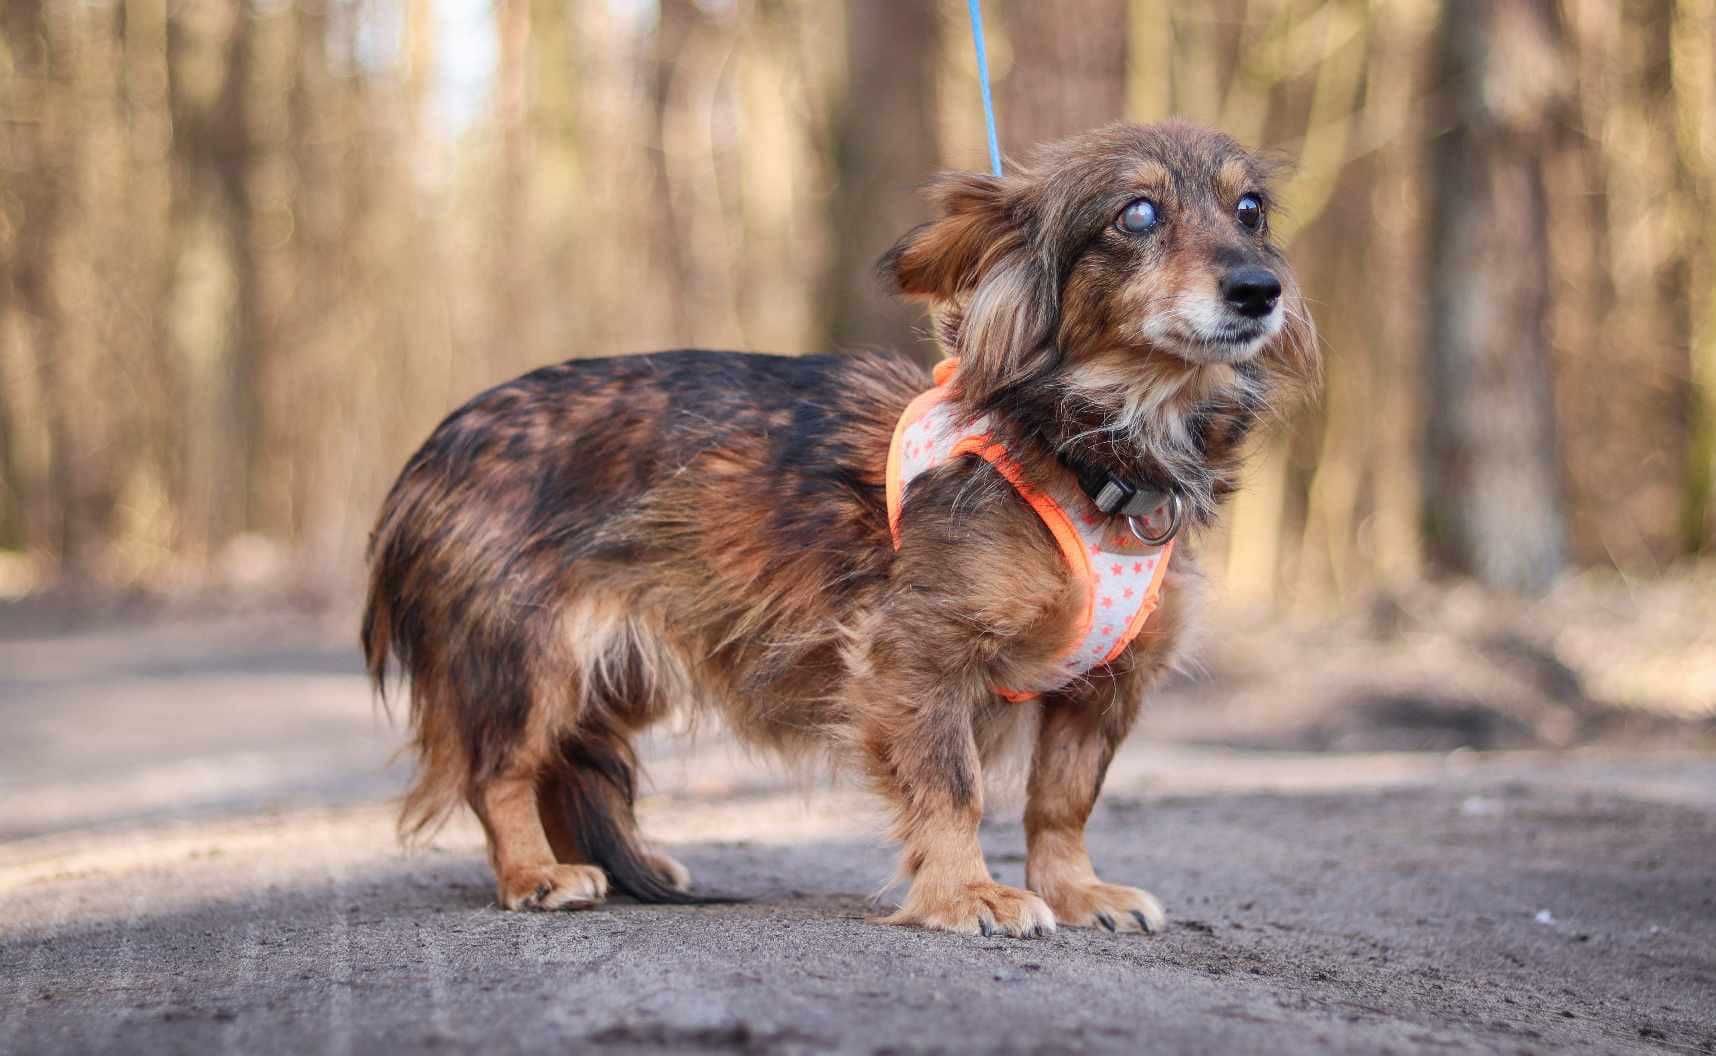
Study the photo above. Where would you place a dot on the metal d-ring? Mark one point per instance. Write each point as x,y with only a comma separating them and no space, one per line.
1176,514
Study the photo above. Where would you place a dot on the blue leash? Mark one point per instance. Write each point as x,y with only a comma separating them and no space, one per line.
976,8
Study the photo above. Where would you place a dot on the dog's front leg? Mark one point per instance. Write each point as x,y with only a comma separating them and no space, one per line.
915,725
1075,742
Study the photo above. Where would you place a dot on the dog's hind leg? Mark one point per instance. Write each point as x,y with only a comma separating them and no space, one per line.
623,677
527,874
585,799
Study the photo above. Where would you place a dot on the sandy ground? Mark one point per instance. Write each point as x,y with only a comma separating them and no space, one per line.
196,855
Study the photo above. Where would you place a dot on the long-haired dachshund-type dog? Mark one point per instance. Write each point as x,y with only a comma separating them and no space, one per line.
575,554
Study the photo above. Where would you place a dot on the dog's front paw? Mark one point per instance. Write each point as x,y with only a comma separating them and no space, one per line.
980,908
552,887
1111,906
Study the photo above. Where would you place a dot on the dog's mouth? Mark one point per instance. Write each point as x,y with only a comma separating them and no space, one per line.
1214,336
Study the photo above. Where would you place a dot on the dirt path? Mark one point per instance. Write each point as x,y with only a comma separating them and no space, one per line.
195,859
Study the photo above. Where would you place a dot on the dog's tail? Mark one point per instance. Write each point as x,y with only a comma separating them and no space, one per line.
595,783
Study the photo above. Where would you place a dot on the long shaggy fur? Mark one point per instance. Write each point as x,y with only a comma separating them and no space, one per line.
577,552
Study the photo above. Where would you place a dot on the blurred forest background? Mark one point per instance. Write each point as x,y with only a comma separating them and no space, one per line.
251,252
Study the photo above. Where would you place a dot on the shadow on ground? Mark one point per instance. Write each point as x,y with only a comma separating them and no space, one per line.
1496,917
196,855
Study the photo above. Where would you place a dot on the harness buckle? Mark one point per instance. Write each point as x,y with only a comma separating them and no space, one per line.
1176,517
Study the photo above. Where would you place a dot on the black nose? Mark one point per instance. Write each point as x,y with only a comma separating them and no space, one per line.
1252,291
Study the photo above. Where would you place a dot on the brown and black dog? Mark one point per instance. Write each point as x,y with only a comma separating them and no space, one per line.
577,553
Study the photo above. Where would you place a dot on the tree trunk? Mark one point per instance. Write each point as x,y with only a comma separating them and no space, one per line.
885,147
1066,72
1493,494
26,217
241,397
1694,69
216,315
39,94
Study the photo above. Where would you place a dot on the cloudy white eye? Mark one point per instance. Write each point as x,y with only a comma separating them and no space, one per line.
1249,210
1138,217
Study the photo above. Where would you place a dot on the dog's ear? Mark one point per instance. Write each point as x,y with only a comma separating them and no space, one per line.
940,260
993,298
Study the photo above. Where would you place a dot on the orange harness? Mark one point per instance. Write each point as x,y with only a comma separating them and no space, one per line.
1122,576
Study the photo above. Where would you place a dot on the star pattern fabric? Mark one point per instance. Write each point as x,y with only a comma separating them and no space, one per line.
1124,574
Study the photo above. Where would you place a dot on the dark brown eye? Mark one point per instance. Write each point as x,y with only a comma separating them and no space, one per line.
1138,217
1249,211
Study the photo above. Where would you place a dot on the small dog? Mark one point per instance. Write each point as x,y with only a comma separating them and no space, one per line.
574,554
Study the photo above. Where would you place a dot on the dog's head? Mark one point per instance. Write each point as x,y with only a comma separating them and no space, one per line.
1131,267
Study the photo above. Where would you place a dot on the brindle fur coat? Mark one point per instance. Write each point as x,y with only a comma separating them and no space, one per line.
575,554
